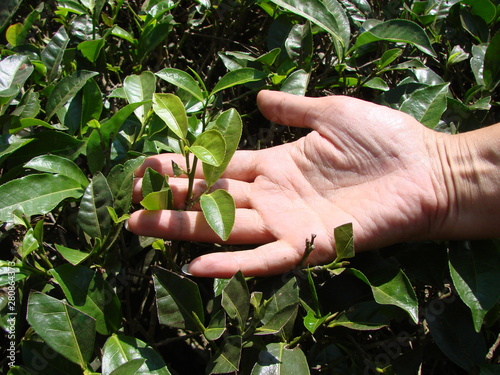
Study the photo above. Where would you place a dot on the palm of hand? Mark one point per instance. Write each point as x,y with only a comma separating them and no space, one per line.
362,163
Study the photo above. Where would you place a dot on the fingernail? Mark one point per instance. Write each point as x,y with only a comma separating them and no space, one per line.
125,225
185,269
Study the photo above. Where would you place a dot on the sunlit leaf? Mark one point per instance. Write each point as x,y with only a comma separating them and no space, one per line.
491,71
72,255
278,359
158,200
65,329
91,49
140,88
171,110
210,147
398,30
183,80
53,53
344,241
238,77
120,349
60,165
36,194
219,210
427,104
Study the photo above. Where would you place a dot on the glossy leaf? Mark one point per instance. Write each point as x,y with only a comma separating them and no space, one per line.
491,71
229,124
36,194
278,359
38,355
210,147
329,15
296,83
158,200
73,256
427,104
393,289
65,329
129,368
14,71
53,53
140,88
227,359
171,110
178,300
219,210
344,241
238,77
476,277
121,183
66,89
216,327
182,80
91,49
120,350
398,30
153,181
28,245
87,290
93,216
60,165
236,300
281,308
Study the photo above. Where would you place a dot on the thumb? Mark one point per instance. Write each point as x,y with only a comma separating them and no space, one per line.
288,109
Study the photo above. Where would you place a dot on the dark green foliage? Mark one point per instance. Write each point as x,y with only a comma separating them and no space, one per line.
89,88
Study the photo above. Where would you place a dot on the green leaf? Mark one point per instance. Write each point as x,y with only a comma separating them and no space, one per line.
278,359
29,244
8,148
281,308
129,368
491,71
120,349
210,147
236,300
238,77
392,288
87,290
60,165
451,327
227,359
427,104
178,300
8,11
476,276
171,110
38,355
220,211
153,181
344,241
296,83
91,49
65,329
140,88
158,200
53,53
216,327
72,255
329,15
66,89
121,183
482,8
36,194
388,57
14,71
151,37
183,80
93,216
399,31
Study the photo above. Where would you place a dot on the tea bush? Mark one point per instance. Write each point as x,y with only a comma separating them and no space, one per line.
89,88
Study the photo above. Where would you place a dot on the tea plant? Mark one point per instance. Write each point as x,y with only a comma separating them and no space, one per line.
88,89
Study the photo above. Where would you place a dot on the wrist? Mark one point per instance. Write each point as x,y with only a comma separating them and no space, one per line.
468,184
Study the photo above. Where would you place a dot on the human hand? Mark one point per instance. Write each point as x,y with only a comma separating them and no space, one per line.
362,163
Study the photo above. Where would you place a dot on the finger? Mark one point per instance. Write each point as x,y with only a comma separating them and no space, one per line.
290,110
192,226
270,259
239,190
241,167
